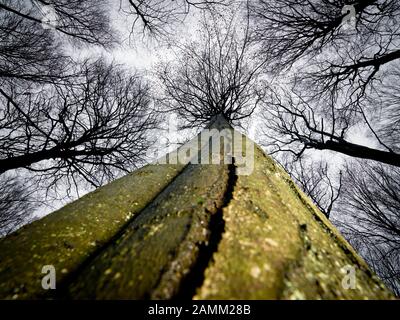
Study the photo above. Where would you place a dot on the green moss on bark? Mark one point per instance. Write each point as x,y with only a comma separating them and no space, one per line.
67,237
160,246
277,245
142,236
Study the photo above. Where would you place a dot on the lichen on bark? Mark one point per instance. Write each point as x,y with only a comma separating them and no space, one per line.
200,231
277,245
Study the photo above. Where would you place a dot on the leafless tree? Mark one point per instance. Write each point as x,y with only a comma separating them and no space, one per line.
32,32
16,203
385,112
89,128
27,51
213,75
64,122
86,21
333,73
317,182
31,42
160,18
292,29
295,125
365,202
370,217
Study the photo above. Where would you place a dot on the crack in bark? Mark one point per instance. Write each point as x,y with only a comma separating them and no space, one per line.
195,277
63,286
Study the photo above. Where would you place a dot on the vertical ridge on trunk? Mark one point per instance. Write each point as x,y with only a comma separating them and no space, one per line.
203,231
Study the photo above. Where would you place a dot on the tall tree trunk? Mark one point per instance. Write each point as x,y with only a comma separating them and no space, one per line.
190,231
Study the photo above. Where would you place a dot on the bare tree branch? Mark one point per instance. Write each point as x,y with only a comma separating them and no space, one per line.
214,75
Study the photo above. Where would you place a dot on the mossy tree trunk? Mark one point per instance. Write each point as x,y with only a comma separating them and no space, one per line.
199,231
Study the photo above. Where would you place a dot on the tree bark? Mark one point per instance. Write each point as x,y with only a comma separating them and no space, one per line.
189,231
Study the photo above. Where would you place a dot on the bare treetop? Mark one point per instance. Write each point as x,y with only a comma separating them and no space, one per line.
214,74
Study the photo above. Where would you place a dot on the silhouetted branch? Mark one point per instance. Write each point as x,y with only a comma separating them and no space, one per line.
214,75
91,128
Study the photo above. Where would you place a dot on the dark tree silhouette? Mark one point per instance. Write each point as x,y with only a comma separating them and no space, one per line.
295,124
86,21
371,204
213,75
317,182
292,29
332,73
31,43
88,128
28,52
16,203
32,32
385,116
65,121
